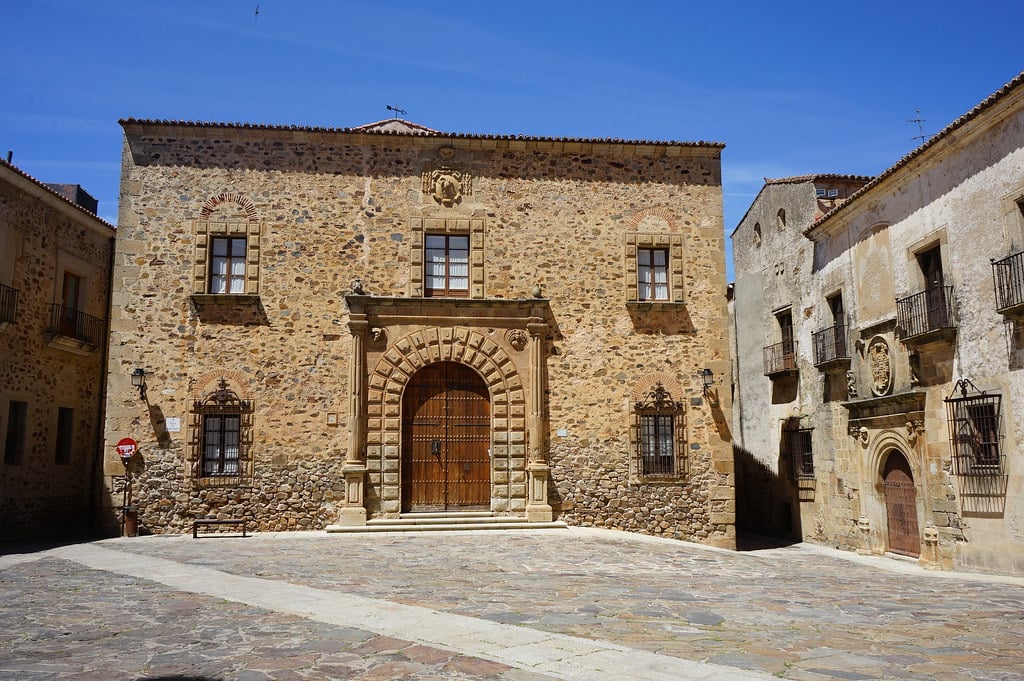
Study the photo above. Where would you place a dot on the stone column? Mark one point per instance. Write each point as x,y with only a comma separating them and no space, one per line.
353,513
537,507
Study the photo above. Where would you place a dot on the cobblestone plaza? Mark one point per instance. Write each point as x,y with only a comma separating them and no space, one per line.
572,604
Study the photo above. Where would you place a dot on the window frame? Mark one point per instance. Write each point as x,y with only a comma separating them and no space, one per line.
798,443
448,290
974,423
218,406
659,426
647,275
225,447
634,243
229,260
17,430
205,231
64,440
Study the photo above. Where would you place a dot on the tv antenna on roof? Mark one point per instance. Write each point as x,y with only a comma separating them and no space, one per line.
397,111
917,119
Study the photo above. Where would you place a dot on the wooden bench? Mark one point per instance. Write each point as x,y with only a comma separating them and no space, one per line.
198,522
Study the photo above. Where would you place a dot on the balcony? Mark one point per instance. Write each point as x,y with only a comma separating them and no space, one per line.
830,347
1008,278
927,316
780,359
72,330
8,305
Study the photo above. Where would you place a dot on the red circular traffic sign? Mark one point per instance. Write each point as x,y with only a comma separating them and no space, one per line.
126,448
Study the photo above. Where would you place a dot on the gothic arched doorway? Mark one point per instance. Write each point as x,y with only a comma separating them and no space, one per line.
446,440
901,505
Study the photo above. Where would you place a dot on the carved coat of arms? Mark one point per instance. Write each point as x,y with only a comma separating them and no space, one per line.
447,186
880,363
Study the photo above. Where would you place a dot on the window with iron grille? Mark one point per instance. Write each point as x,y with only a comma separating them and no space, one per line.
797,442
974,430
659,434
446,265
221,438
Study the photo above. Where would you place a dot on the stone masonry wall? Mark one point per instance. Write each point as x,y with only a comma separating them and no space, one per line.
330,207
42,498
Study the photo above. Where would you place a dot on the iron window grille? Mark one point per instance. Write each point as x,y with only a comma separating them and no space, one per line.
797,444
222,434
8,304
660,434
1008,279
929,310
830,344
780,358
973,420
69,322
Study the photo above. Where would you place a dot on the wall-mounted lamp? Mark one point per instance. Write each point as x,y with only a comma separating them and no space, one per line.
707,377
139,381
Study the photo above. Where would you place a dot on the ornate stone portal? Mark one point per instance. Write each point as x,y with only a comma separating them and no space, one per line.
420,332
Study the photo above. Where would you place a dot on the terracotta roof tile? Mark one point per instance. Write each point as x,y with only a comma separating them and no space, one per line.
452,135
18,171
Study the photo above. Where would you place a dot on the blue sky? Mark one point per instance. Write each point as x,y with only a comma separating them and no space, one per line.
791,88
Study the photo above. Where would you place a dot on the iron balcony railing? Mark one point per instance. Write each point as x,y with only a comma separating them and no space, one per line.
8,304
1008,278
69,322
780,358
830,344
929,310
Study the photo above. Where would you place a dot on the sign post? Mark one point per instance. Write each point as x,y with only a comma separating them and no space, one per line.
126,449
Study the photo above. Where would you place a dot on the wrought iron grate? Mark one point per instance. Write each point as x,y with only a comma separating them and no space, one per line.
973,420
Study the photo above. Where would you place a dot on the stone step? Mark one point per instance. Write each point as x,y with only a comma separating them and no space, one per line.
446,522
449,514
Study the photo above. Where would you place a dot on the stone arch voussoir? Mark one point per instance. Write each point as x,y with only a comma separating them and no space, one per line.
228,197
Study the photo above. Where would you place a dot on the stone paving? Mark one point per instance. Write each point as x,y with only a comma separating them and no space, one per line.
799,612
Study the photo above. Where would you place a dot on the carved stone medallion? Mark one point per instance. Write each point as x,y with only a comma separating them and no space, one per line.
880,363
517,338
447,186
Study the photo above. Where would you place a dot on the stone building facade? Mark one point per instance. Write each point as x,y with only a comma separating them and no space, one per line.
340,325
888,327
55,261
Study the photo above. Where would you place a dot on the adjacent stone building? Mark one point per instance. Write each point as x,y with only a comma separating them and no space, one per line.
879,351
336,326
55,258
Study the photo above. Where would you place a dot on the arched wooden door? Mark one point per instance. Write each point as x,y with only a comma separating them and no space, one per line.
446,438
901,506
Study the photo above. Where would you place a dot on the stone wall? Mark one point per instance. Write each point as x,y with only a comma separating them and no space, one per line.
41,236
959,196
328,207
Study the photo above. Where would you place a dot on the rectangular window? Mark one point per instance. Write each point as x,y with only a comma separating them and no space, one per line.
801,457
984,427
71,291
221,437
446,266
652,273
657,444
227,264
17,425
65,427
